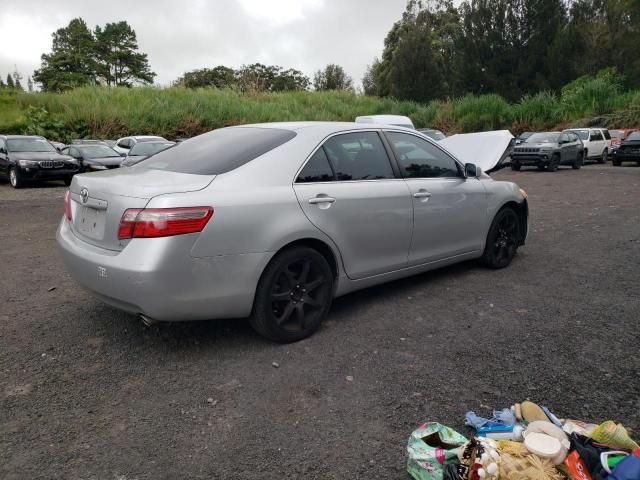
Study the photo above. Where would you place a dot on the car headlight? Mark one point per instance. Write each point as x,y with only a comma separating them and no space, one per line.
27,163
523,193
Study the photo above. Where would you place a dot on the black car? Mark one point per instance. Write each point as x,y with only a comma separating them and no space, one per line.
31,158
629,150
548,150
94,157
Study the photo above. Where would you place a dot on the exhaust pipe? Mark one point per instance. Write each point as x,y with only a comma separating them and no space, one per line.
148,322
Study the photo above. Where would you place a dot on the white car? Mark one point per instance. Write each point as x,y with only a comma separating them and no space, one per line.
123,145
597,143
395,120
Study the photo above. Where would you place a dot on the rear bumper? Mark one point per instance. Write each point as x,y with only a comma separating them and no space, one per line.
160,279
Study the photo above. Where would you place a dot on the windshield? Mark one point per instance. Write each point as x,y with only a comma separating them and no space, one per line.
583,134
29,145
616,134
634,136
148,148
99,151
550,137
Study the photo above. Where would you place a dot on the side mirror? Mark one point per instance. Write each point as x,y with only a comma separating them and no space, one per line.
472,171
3,151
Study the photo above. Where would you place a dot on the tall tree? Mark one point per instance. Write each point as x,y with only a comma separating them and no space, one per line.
29,84
10,83
218,77
2,85
332,77
71,61
118,62
17,78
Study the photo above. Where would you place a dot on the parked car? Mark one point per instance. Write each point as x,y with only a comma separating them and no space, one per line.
523,137
620,135
94,157
596,141
433,133
143,150
32,158
275,220
397,120
549,150
629,150
123,145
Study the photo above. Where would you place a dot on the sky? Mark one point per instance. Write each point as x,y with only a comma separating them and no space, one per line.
179,36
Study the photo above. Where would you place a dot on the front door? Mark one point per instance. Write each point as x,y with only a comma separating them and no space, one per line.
349,190
449,210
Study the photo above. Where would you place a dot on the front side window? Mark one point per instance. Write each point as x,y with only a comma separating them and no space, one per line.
419,158
564,138
317,169
358,156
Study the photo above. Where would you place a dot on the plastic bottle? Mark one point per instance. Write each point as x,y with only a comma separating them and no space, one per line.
627,469
502,432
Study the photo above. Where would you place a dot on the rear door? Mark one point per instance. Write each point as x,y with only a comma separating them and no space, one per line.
350,191
449,210
596,139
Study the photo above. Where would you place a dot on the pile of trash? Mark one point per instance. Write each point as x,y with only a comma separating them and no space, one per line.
524,442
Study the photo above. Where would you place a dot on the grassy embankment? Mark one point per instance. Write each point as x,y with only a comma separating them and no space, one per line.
176,112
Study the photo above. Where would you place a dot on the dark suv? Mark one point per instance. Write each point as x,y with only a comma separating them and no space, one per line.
549,150
31,158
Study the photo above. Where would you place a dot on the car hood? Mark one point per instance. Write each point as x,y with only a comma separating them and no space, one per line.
107,161
39,156
487,150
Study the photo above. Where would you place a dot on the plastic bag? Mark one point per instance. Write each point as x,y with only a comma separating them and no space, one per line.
432,446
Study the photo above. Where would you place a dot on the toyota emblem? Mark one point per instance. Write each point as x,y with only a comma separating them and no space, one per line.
84,193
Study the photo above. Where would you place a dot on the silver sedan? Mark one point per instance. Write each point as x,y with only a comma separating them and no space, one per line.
273,221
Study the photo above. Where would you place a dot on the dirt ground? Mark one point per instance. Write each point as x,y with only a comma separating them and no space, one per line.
87,392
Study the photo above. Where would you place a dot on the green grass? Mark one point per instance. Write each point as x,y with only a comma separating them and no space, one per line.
176,112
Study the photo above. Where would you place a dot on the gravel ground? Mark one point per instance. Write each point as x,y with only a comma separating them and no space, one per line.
87,392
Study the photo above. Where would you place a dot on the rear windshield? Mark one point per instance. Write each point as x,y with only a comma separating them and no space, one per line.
219,151
616,133
149,148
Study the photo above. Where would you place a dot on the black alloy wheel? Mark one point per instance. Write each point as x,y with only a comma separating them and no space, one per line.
503,239
293,296
516,166
552,166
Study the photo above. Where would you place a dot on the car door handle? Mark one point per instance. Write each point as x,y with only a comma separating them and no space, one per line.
422,194
317,200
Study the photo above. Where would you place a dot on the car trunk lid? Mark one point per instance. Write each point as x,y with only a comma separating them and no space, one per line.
98,200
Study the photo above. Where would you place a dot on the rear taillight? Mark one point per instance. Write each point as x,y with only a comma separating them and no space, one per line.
67,205
163,222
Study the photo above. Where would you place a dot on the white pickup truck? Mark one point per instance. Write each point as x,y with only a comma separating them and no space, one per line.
596,141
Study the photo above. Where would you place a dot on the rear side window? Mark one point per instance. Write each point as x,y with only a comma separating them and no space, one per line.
596,136
317,169
358,156
419,158
219,151
607,135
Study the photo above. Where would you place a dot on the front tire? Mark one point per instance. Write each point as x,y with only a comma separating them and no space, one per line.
502,240
294,295
553,163
515,166
15,179
616,163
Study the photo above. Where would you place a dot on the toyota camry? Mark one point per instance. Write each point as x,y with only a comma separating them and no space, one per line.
273,221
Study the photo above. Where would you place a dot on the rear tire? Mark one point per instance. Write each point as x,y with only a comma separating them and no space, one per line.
603,158
577,163
294,295
616,163
502,240
15,179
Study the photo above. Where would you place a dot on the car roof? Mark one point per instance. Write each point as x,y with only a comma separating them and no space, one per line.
33,137
335,126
